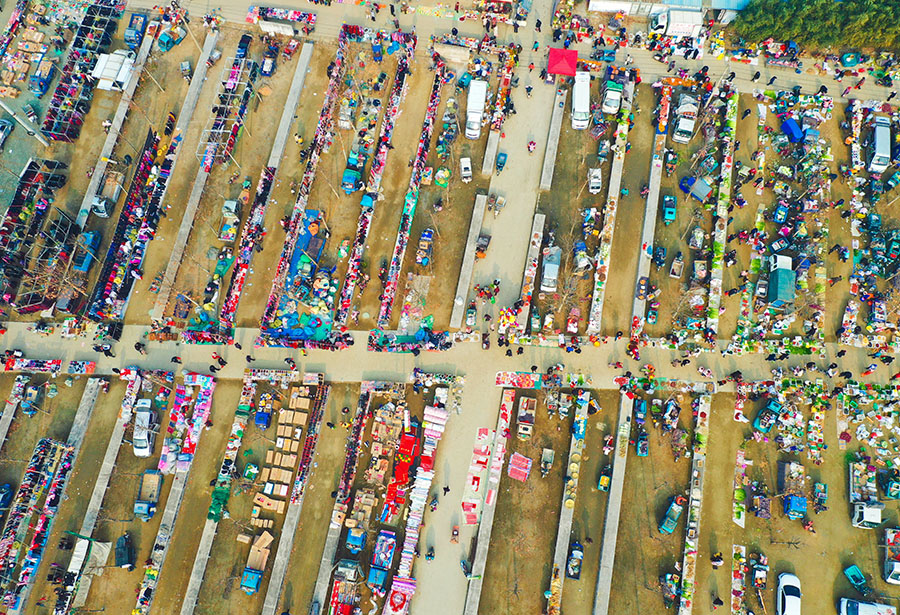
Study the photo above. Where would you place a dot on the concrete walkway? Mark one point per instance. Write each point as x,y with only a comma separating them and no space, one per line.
9,409
187,221
468,264
648,229
198,570
613,509
559,110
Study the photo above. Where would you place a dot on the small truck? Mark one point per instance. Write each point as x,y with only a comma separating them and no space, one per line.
148,495
256,564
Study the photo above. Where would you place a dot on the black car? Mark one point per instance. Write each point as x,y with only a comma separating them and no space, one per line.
243,46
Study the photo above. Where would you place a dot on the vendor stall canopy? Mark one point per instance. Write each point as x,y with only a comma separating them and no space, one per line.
562,62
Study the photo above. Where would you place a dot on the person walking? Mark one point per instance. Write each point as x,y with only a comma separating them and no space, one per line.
537,25
771,81
249,359
213,368
756,76
176,359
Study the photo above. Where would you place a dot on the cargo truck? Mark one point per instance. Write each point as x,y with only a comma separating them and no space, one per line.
39,82
677,23
475,107
148,495
865,509
525,417
685,119
105,202
256,564
382,559
891,572
134,33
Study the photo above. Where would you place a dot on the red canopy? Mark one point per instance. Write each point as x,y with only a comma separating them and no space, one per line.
562,62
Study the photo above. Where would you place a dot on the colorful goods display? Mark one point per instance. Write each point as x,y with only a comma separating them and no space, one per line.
135,229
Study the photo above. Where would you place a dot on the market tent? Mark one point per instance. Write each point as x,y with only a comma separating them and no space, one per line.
562,62
792,129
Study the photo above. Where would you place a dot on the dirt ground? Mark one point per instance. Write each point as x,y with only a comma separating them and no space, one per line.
309,542
617,304
520,559
651,482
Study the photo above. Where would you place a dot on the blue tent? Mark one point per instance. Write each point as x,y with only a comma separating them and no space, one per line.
792,129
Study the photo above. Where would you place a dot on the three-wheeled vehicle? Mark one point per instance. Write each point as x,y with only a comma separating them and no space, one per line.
677,266
642,443
471,315
673,514
214,57
858,580
573,564
652,312
30,112
289,49
639,409
547,456
669,209
659,256
605,478
603,150
465,169
697,238
501,161
426,246
671,162
820,497
481,245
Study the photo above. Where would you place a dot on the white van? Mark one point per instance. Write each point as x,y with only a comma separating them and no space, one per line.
550,276
581,101
881,145
475,107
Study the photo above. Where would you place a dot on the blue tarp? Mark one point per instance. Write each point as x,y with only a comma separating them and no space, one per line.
792,129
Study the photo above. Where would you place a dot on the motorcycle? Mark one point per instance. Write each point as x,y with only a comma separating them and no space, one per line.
485,341
434,502
531,147
430,554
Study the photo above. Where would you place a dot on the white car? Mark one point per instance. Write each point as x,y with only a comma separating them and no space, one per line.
142,440
787,599
595,180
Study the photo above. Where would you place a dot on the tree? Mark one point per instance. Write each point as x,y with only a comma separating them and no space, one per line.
817,24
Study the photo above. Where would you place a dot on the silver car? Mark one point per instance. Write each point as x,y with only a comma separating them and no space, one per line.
144,428
6,127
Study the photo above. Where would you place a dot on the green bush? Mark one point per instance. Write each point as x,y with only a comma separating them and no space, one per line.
851,24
